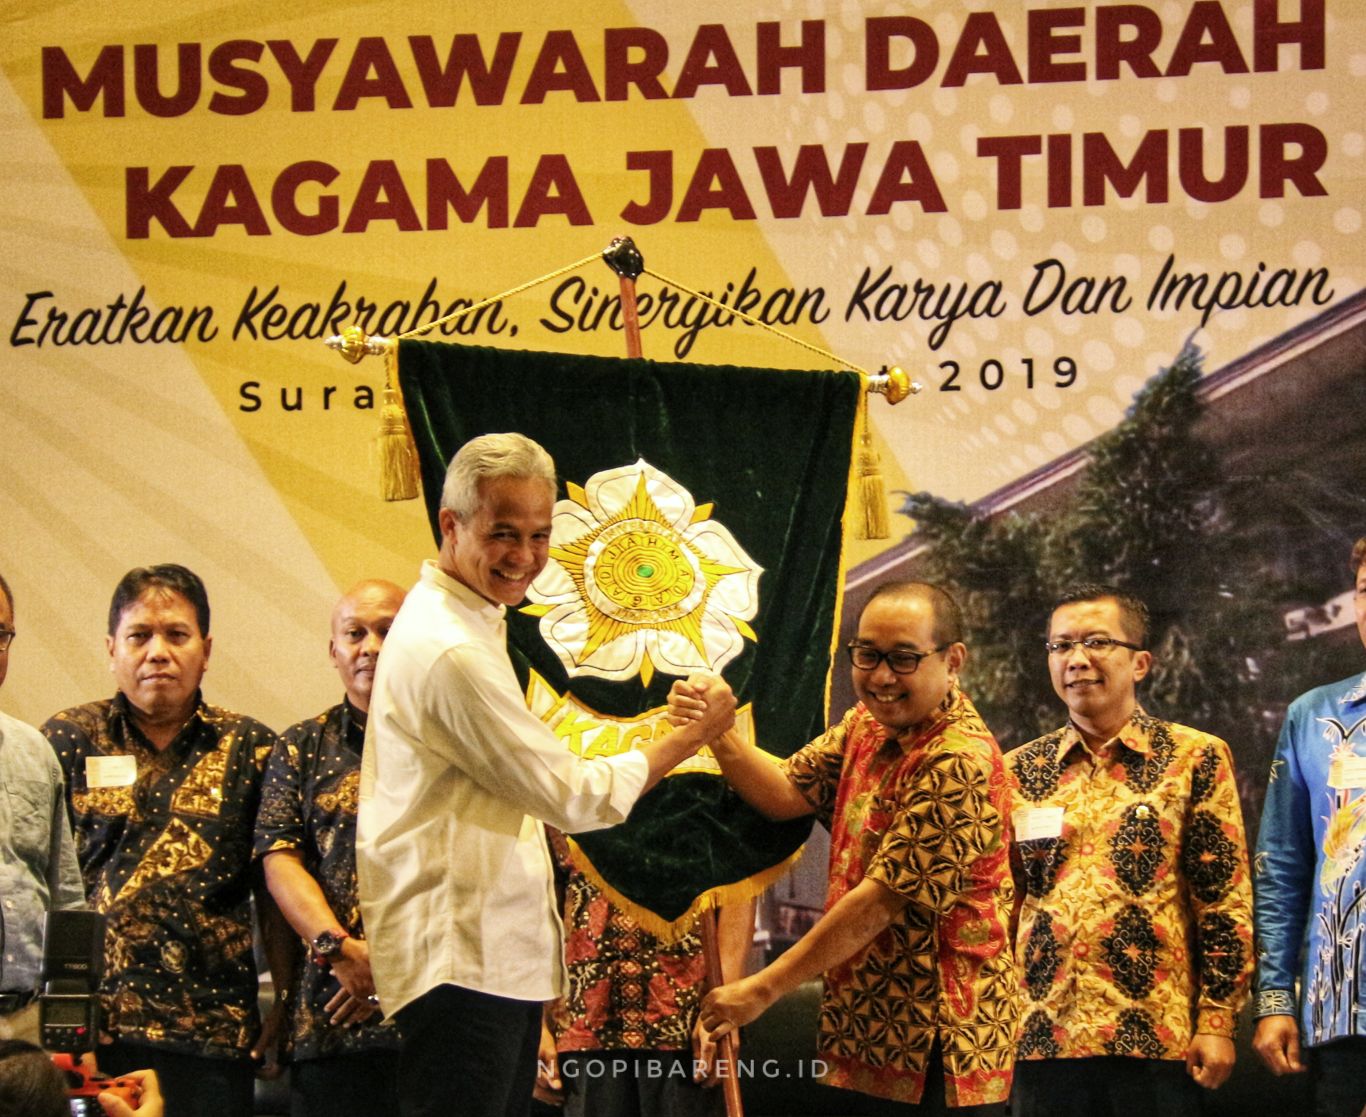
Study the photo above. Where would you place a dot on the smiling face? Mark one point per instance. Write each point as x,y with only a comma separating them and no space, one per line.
158,655
1098,688
501,548
360,622
901,622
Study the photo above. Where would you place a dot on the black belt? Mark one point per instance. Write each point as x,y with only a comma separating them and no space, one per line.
13,1002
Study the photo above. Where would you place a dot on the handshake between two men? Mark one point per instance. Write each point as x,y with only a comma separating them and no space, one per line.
765,786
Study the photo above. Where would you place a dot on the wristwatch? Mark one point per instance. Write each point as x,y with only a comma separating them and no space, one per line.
328,945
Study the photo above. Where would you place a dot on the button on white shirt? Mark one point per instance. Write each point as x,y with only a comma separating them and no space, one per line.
455,877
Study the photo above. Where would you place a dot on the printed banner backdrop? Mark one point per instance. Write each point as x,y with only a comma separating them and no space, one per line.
701,531
1031,207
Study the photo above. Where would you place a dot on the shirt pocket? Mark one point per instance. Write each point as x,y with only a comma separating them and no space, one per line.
1042,859
30,804
879,816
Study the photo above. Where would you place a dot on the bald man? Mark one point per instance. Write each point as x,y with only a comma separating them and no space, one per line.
344,1057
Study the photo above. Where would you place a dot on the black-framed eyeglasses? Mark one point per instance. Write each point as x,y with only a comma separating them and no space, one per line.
1098,644
901,660
7,636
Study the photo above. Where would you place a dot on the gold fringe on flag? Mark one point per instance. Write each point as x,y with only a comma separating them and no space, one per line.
670,931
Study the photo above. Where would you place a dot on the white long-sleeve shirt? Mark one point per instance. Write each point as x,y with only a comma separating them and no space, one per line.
457,775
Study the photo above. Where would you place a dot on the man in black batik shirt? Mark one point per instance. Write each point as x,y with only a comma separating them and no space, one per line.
344,1057
163,790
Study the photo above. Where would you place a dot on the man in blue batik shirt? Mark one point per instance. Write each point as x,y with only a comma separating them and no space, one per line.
1310,881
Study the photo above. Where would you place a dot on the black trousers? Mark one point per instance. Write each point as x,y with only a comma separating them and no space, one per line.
635,1084
1339,1073
1104,1086
362,1084
192,1085
467,1054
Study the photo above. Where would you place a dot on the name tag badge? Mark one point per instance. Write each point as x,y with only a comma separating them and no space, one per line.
111,771
1348,772
1037,822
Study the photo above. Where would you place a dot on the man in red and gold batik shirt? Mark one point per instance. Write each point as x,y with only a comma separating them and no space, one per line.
921,1001
1135,935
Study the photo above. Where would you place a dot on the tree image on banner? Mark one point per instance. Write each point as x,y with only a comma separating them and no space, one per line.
1154,513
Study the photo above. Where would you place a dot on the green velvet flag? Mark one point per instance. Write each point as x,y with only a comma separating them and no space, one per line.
699,527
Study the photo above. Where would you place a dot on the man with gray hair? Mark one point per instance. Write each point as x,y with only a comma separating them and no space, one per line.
38,869
456,779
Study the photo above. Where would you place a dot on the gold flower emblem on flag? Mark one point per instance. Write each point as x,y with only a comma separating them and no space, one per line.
641,578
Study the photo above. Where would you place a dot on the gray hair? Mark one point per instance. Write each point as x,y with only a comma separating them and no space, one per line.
488,458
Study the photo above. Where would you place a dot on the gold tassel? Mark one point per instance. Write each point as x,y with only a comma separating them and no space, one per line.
397,453
872,489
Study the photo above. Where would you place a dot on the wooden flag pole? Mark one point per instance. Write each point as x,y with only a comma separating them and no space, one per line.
711,951
624,258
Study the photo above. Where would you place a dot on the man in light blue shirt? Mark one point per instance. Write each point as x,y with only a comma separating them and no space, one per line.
38,869
1310,880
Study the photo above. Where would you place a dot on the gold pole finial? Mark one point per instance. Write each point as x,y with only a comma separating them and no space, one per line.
895,384
354,343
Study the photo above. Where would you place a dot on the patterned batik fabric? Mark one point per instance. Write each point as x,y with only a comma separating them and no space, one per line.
168,860
1135,932
308,804
627,989
927,815
1310,867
